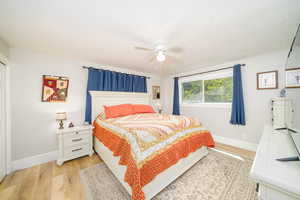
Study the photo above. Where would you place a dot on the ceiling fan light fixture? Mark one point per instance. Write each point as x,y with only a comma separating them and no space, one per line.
160,56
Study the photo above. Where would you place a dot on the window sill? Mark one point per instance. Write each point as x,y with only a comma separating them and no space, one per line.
207,105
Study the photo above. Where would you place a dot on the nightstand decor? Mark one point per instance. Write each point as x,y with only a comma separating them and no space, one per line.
74,142
61,116
159,107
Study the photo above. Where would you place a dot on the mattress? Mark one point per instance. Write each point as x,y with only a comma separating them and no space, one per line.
150,143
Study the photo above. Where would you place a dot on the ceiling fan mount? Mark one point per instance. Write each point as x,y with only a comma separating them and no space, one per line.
160,51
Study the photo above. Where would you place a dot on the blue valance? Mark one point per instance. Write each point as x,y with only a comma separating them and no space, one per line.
105,80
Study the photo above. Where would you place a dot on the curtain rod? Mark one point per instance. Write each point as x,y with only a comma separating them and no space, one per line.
208,71
85,67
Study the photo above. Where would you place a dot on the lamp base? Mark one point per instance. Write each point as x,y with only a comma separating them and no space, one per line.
61,124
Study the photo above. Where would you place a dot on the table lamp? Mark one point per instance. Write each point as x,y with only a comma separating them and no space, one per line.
61,116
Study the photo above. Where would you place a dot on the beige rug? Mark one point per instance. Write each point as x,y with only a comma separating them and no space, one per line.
216,177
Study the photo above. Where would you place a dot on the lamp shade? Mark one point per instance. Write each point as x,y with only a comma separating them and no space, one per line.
61,116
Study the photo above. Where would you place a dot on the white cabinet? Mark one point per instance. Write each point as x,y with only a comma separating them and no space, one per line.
74,142
277,180
282,112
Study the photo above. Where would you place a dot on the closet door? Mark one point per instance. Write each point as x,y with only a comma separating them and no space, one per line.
2,124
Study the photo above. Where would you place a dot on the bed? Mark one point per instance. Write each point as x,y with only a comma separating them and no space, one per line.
115,160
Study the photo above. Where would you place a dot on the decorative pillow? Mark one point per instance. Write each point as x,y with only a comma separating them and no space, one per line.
118,110
142,108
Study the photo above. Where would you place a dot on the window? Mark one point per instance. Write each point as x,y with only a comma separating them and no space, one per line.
192,91
206,89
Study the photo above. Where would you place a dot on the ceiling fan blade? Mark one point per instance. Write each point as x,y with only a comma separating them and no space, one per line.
143,48
175,49
152,59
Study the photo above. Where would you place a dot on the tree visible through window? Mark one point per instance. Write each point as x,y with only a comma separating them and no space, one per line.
192,92
217,90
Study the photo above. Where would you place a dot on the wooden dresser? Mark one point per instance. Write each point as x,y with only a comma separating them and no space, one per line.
277,180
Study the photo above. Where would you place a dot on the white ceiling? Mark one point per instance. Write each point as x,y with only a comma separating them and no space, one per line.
209,32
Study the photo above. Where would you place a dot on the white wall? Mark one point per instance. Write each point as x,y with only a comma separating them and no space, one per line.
4,51
257,102
294,59
33,121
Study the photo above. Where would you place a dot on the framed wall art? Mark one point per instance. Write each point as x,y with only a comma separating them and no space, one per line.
292,78
155,92
55,88
267,80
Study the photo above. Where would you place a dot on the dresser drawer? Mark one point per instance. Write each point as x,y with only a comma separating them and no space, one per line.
77,151
77,139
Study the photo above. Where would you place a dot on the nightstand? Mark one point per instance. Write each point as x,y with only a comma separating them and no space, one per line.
74,142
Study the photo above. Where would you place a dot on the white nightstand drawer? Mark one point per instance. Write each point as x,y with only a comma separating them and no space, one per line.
71,140
77,151
77,133
74,142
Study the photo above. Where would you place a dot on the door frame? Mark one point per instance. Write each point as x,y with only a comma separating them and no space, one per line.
6,114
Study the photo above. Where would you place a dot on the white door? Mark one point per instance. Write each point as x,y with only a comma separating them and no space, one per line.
2,124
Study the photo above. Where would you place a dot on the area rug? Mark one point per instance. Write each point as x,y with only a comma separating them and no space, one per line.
218,176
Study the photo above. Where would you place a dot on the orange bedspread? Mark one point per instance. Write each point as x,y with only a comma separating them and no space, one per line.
139,174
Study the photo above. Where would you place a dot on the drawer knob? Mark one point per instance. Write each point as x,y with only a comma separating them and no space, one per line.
77,132
76,149
76,140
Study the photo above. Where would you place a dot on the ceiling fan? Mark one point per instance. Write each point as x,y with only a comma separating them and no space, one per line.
161,52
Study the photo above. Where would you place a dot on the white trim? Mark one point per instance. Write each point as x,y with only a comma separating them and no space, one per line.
53,155
3,170
8,122
207,76
34,160
4,60
7,119
236,143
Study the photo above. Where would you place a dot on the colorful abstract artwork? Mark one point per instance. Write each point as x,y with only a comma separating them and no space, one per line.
55,88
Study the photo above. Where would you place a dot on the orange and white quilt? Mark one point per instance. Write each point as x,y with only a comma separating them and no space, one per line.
150,143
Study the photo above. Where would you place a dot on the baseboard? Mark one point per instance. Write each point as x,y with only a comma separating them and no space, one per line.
46,157
237,143
34,160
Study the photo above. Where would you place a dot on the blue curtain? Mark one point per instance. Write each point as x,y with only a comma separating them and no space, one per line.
105,80
237,110
176,110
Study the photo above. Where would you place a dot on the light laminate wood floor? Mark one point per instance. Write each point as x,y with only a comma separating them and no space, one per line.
51,182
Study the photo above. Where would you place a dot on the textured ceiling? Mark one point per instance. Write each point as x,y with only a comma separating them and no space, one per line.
209,32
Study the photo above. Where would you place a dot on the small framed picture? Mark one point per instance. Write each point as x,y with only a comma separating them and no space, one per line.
155,92
292,78
267,80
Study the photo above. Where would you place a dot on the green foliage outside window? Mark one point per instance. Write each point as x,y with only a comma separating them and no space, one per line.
218,90
192,91
215,91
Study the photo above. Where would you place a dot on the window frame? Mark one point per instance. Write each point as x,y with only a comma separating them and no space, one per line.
208,76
